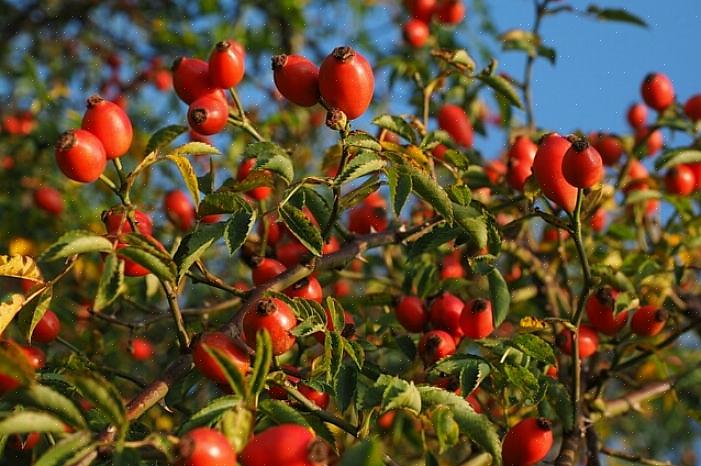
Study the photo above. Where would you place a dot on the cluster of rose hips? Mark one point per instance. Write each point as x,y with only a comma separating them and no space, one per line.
20,123
416,30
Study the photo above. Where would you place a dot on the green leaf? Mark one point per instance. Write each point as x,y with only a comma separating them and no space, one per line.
270,156
368,452
317,205
396,125
640,195
558,396
399,394
499,295
472,375
155,264
188,174
534,346
344,386
399,180
195,244
222,202
111,283
675,157
300,226
24,422
337,313
46,399
14,364
460,194
163,137
65,449
356,196
238,228
232,374
236,424
76,242
447,430
502,87
32,314
102,394
615,14
521,377
333,347
473,224
281,413
476,426
195,148
363,140
262,363
210,413
430,191
362,164
431,241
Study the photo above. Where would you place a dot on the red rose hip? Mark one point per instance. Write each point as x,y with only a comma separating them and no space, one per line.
436,345
455,122
205,447
657,91
476,319
108,122
297,79
680,180
226,64
547,169
415,33
207,365
275,317
411,313
288,445
600,310
49,200
347,82
527,443
208,115
48,328
80,156
582,165
191,79
648,321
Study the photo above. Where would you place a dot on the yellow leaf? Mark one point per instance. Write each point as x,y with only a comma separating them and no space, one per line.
8,310
19,267
531,323
21,246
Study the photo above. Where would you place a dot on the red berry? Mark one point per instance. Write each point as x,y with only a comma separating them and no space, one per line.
117,223
496,169
386,420
307,288
476,319
191,79
436,345
297,78
342,288
179,209
370,215
36,359
16,442
450,11
422,9
637,116
347,82
609,146
547,168
523,148
654,140
692,107
163,80
696,169
131,268
320,399
520,162
445,313
207,365
141,349
290,252
527,443
288,445
411,313
416,33
205,447
226,64
108,122
265,269
588,341
582,165
648,321
455,122
49,200
260,192
275,317
331,246
208,114
439,151
210,219
80,156
600,307
657,91
48,328
680,180
598,220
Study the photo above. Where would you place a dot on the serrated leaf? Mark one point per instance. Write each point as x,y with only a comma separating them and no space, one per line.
221,202
675,157
300,226
338,319
102,394
447,430
521,377
210,413
368,452
400,185
262,363
9,309
238,228
396,125
615,14
363,140
281,413
317,205
236,424
111,282
476,426
194,148
344,386
195,244
188,173
500,296
460,194
163,137
76,242
19,267
154,264
502,87
558,397
534,346
333,346
32,314
232,374
400,394
46,399
66,448
430,191
431,241
356,196
361,165
23,422
270,156
473,224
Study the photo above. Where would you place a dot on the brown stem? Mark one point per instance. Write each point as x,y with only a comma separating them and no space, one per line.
634,458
